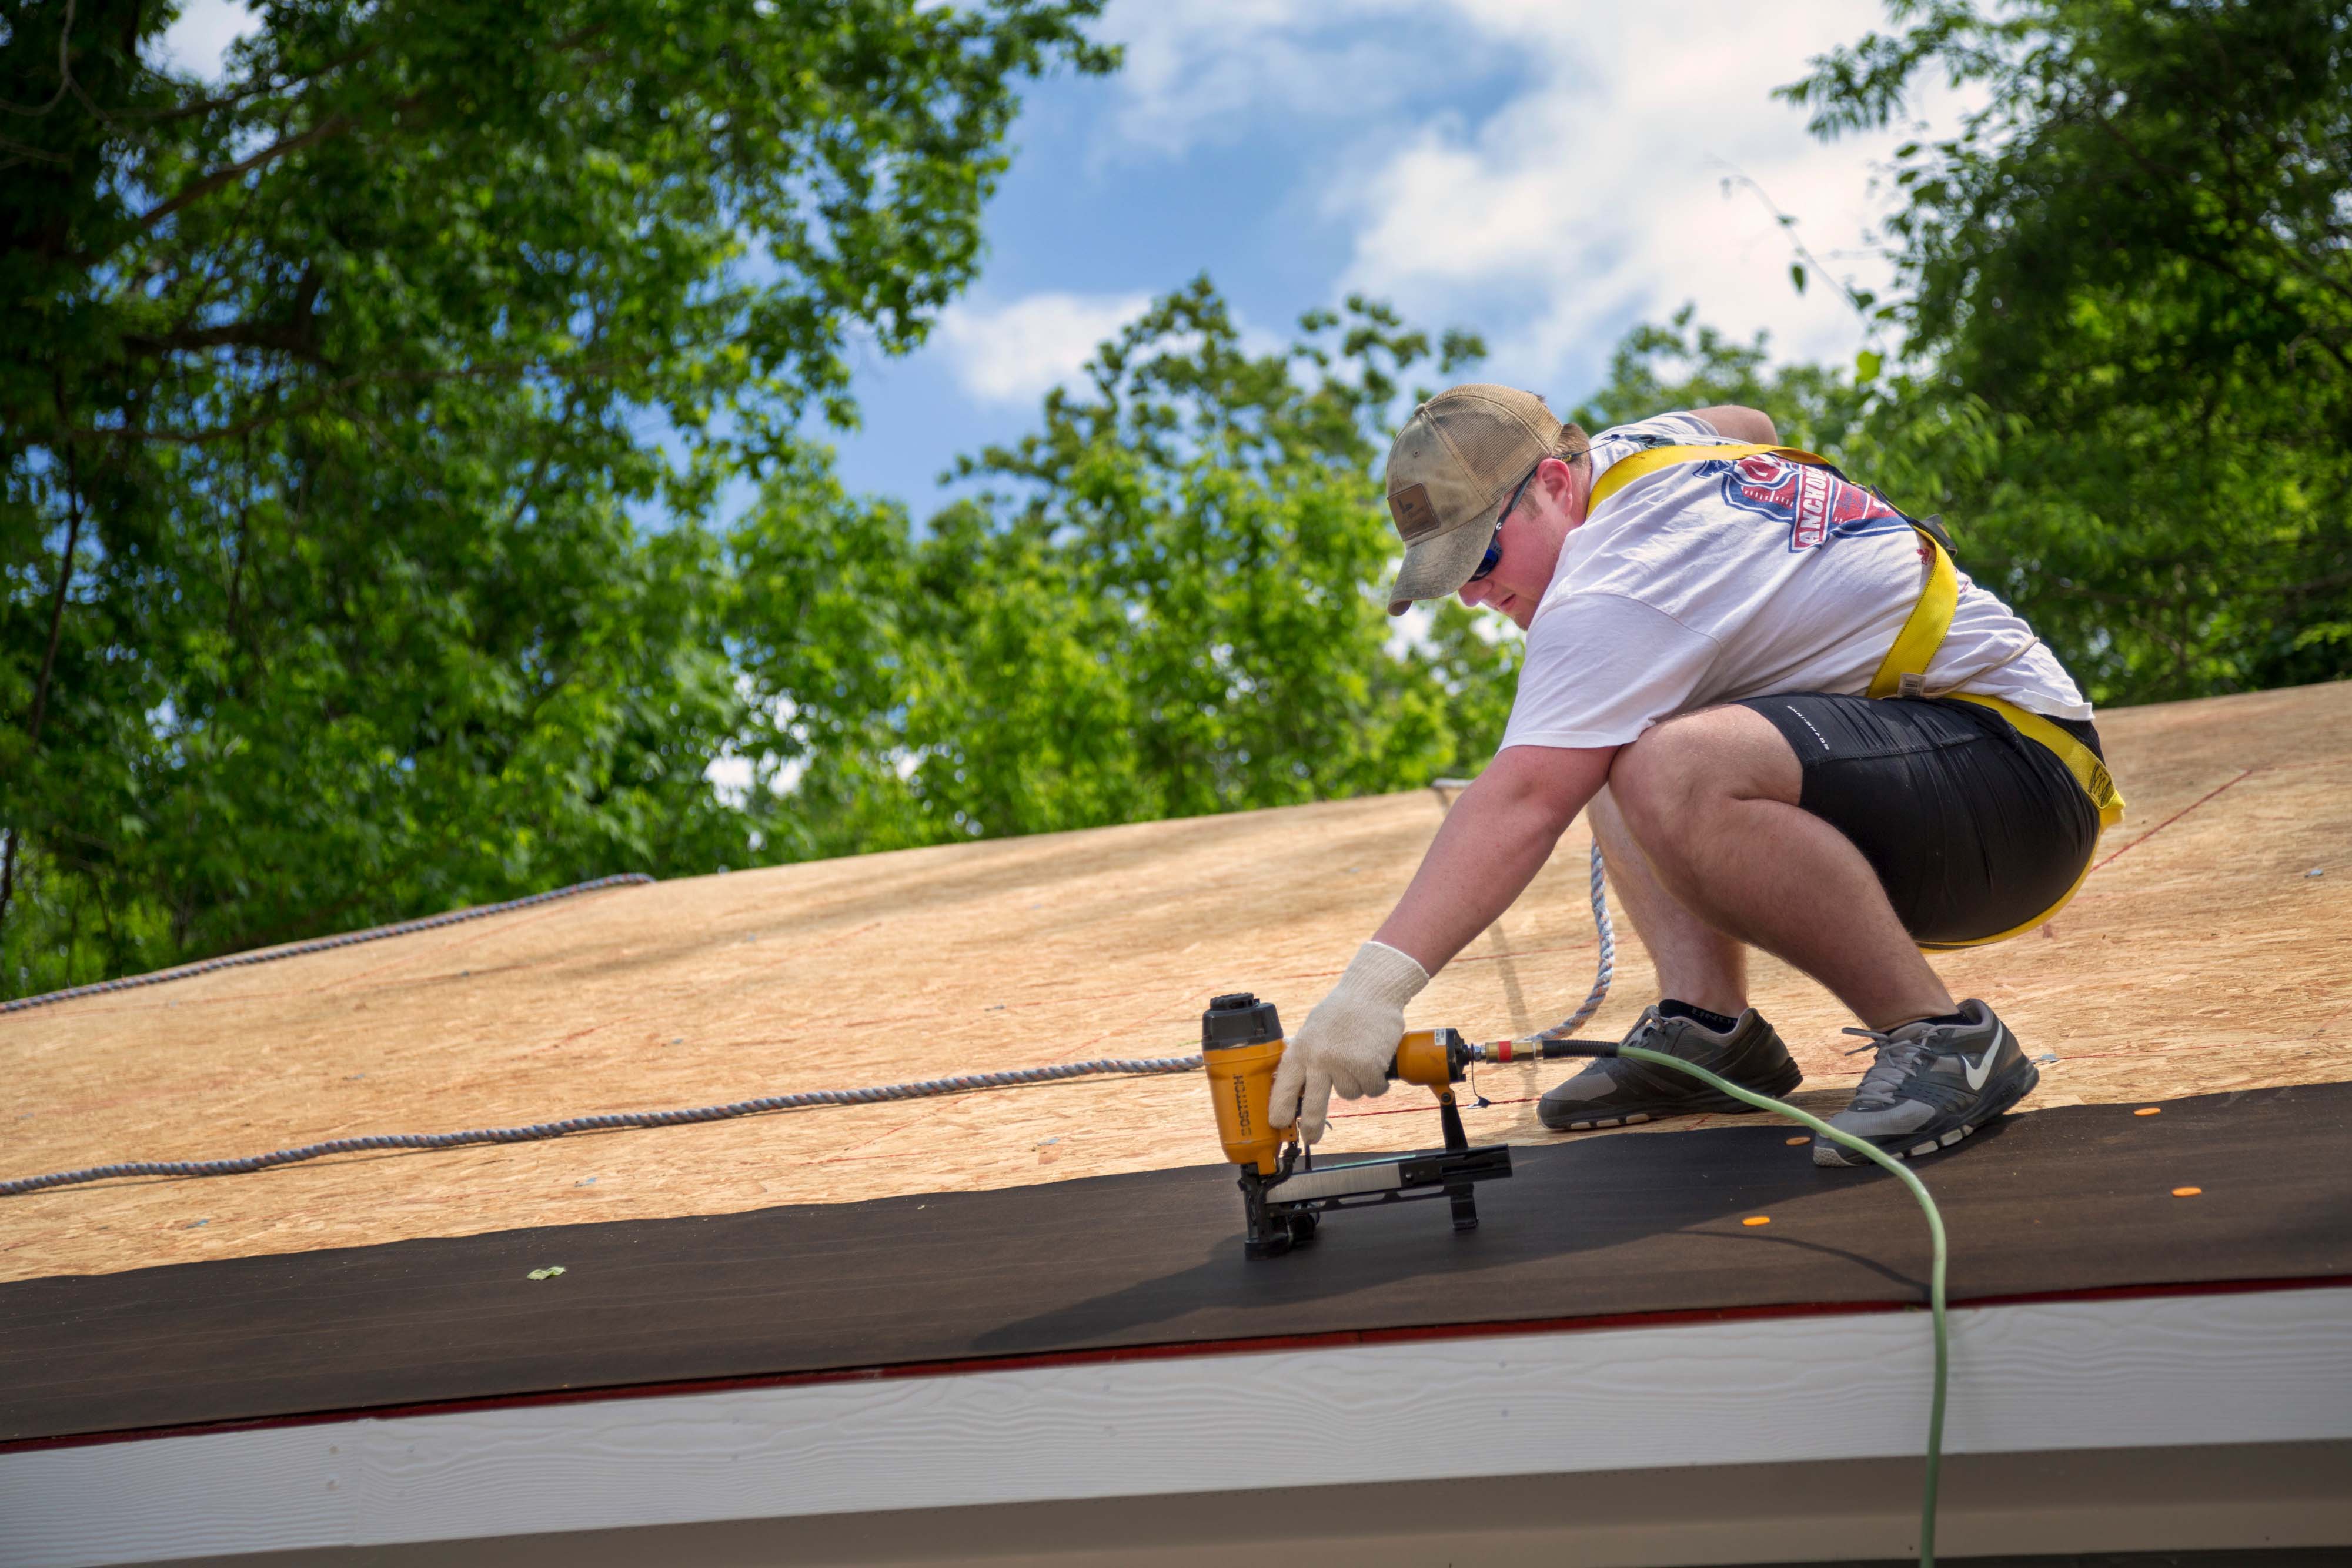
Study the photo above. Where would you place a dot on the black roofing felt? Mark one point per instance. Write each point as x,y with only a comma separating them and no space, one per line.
2071,1199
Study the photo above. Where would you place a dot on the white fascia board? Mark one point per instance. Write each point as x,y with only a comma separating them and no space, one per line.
2228,1368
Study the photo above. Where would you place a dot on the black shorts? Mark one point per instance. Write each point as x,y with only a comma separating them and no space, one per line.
1972,828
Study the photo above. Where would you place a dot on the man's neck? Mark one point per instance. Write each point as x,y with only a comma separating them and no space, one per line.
1579,498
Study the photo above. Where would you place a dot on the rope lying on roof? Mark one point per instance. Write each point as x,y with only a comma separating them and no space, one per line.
1606,972
296,949
958,1085
966,1082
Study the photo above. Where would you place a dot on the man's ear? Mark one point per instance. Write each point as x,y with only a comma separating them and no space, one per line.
1558,481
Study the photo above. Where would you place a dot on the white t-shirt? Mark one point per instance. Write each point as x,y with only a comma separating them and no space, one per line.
1707,582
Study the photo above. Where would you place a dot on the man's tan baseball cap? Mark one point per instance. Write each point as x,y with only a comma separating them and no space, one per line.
1452,467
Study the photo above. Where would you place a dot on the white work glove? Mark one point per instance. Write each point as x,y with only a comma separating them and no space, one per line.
1348,1040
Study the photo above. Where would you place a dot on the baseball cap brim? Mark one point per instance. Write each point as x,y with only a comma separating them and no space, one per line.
1438,565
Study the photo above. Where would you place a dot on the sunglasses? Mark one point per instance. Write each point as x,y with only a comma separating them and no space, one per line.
1494,557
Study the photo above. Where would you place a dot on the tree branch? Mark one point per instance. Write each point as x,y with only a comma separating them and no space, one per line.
74,513
22,150
2234,206
328,392
334,124
285,340
65,70
206,106
297,336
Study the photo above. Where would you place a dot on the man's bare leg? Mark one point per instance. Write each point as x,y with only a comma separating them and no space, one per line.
1695,963
1711,799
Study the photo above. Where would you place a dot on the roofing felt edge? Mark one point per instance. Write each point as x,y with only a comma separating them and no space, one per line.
1171,1351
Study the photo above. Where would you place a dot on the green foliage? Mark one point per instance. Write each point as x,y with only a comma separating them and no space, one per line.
1658,368
1167,604
2130,317
327,396
362,420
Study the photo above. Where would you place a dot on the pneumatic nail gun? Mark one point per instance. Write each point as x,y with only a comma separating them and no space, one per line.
1283,1192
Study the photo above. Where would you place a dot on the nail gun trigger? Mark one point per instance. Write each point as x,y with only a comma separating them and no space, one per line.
1477,1099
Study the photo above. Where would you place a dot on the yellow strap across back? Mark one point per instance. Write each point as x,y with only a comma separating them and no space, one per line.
1642,465
1904,671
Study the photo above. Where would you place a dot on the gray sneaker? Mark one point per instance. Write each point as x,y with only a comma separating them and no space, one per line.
1614,1091
1932,1085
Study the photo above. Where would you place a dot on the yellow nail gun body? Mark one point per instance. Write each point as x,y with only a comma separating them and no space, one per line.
1283,1192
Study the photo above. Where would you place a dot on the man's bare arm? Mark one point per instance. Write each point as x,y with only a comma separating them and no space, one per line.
1492,843
1741,423
1496,837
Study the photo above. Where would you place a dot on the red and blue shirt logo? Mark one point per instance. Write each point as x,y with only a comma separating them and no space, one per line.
1812,503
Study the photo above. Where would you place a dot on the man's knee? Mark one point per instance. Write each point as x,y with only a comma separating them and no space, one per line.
1653,781
1679,770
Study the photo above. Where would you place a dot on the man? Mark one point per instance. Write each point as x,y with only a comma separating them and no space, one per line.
1796,728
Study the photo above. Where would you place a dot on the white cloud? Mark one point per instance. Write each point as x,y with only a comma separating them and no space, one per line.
730,778
1014,353
1410,631
199,39
1199,70
1589,195
1598,194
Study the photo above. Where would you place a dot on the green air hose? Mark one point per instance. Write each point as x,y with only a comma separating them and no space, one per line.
1877,1157
1552,1043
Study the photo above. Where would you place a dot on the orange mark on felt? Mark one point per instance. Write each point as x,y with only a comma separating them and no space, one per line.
2187,1191
2149,1111
1792,1143
1757,1219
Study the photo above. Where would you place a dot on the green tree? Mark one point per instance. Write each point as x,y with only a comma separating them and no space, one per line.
1920,446
1167,604
2128,307
331,397
1679,365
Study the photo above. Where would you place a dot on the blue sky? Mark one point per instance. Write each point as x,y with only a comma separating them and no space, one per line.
1547,173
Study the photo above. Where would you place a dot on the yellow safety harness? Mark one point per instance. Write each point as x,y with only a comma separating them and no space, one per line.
1904,671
